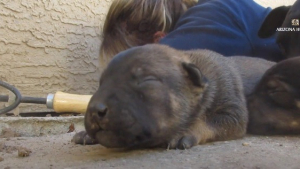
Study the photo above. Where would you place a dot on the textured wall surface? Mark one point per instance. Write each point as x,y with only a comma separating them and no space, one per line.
274,3
51,45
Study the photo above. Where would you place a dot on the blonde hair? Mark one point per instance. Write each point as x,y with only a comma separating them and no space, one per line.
134,22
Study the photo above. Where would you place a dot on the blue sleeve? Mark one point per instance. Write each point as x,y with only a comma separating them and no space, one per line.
228,27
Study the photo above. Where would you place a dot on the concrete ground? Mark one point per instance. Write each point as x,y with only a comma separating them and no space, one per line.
59,152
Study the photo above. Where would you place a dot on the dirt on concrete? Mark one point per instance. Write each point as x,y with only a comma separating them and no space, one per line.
57,151
8,133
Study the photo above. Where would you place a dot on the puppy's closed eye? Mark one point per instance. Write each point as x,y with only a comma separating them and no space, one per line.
148,80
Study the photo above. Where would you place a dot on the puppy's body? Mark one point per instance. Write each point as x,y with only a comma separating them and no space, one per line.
274,105
153,96
251,70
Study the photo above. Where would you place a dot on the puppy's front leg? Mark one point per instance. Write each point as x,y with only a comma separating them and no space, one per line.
83,138
229,122
226,123
198,132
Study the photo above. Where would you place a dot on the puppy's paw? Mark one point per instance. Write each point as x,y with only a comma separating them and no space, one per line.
83,138
183,143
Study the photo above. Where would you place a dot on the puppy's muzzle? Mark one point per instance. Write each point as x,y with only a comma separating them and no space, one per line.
95,118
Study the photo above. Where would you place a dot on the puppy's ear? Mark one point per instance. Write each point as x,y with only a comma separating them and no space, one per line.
281,92
197,78
273,21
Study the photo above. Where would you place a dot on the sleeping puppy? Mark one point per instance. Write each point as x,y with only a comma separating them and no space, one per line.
274,106
154,96
284,17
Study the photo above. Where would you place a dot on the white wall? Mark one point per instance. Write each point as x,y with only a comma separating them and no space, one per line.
274,3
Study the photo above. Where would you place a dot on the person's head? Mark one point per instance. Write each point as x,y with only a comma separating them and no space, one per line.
137,22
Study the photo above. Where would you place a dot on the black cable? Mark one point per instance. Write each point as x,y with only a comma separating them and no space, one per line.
16,92
34,100
19,99
4,98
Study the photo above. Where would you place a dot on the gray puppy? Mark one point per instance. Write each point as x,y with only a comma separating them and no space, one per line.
153,96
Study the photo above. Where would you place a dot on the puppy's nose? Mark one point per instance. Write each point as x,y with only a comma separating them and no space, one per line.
101,109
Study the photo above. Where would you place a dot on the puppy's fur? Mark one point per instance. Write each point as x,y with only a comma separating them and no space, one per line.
154,96
281,17
274,105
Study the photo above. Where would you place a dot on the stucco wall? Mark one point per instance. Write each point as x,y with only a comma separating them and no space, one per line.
52,45
274,3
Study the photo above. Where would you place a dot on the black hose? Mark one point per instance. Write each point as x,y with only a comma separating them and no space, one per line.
16,92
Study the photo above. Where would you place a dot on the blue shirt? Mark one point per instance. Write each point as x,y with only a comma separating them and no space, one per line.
228,27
